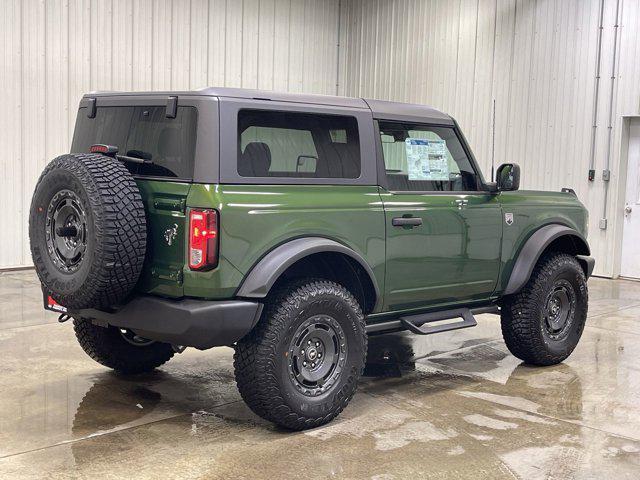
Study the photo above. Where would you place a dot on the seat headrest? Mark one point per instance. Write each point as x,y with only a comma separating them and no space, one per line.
340,161
255,161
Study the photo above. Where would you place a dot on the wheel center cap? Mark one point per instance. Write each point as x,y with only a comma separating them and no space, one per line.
312,353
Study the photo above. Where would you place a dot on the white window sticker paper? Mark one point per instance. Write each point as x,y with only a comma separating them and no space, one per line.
427,159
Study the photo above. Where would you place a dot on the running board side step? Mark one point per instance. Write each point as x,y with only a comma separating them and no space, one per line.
415,323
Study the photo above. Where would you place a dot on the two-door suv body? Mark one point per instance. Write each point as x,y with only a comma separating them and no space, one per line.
291,227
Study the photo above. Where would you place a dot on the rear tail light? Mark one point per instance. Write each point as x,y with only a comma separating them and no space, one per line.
203,239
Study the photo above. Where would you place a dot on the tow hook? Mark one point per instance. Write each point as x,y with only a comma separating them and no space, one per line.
178,348
63,317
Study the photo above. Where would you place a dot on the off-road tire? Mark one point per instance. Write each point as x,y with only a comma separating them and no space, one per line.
261,359
523,314
107,346
115,234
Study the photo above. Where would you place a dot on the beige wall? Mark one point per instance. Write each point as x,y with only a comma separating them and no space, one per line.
53,51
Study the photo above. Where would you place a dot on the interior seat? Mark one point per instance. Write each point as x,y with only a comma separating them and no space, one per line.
255,161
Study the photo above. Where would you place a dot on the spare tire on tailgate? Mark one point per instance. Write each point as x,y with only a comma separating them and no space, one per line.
87,230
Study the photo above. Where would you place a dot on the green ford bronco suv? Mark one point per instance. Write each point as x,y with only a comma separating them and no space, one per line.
291,227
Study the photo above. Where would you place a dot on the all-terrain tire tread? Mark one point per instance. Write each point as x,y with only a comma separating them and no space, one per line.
520,313
120,226
255,356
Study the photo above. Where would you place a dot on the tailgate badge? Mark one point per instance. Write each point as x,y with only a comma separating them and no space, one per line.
508,218
171,233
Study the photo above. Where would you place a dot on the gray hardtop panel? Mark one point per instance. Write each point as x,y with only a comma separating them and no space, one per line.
407,112
246,93
379,108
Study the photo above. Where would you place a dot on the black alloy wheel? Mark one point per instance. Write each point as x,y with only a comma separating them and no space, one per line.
66,230
317,355
559,310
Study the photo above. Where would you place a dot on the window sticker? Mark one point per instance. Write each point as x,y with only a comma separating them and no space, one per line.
427,159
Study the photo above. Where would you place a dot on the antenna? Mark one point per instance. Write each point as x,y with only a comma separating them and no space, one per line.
493,141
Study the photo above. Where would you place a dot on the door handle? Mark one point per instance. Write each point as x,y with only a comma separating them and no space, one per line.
627,210
406,221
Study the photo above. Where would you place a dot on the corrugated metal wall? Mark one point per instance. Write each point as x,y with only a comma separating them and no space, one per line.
537,59
53,51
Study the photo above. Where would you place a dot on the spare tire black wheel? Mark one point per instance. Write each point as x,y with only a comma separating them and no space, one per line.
88,231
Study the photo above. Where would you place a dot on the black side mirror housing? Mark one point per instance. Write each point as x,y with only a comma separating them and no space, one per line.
508,177
492,187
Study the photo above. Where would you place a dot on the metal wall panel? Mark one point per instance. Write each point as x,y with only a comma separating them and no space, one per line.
536,59
53,51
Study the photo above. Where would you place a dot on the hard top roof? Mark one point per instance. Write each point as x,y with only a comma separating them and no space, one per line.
379,108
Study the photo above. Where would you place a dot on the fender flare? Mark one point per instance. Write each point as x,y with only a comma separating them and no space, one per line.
533,248
264,274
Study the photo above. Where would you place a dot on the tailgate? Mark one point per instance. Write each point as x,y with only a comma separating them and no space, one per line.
165,206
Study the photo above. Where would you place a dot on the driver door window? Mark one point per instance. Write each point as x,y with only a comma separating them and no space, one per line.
423,158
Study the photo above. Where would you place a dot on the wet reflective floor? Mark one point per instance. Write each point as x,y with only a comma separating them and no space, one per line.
453,405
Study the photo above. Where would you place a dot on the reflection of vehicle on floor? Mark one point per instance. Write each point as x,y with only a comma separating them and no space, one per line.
104,408
292,227
389,356
556,391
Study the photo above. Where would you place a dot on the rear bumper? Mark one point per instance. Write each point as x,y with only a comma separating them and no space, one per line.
190,323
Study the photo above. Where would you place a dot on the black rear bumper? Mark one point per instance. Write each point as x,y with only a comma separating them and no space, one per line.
191,323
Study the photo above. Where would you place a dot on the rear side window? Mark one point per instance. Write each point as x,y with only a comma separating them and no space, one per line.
146,133
299,145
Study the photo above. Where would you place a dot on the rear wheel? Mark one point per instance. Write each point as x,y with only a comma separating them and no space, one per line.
543,323
120,349
300,366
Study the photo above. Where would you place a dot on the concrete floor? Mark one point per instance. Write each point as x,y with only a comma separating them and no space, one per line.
454,405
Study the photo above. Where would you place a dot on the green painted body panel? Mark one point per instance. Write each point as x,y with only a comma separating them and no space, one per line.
254,219
531,211
457,256
454,256
165,205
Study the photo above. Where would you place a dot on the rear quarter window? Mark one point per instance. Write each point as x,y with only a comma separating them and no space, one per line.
146,133
297,145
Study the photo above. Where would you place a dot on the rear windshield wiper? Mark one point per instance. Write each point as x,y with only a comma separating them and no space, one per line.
126,158
136,156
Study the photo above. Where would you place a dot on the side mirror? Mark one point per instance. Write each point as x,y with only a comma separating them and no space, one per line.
508,177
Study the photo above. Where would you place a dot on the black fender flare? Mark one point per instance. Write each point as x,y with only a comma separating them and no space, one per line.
536,244
264,274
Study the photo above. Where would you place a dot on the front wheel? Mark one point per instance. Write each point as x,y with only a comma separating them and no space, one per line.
300,366
543,323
